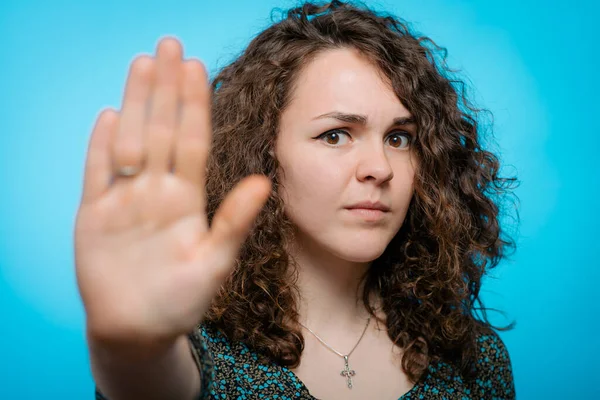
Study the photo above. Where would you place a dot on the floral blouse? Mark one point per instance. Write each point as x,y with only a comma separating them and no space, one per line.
233,371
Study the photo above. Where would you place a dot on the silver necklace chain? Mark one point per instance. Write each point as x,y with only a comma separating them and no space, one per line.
346,372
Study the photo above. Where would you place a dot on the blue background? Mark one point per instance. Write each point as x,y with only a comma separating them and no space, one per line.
534,64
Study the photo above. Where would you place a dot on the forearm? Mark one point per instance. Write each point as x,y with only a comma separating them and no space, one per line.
172,374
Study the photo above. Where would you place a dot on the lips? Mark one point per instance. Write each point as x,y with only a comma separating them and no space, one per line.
368,205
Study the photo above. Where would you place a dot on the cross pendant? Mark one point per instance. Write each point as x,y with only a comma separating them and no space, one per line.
347,372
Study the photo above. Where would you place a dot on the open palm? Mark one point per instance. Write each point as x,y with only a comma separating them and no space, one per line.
147,263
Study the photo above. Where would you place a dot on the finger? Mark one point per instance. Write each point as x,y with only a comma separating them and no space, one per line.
129,143
98,168
162,120
235,216
195,131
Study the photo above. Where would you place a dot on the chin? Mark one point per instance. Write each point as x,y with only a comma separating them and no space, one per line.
356,247
360,252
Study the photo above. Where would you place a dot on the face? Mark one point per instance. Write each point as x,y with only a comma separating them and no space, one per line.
345,147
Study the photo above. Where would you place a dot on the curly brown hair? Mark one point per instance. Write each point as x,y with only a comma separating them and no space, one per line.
430,275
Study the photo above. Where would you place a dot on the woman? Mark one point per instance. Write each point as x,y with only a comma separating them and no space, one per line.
333,243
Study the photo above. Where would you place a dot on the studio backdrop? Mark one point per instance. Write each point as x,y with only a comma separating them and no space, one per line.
533,64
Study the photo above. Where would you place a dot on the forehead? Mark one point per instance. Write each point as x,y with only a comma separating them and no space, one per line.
344,80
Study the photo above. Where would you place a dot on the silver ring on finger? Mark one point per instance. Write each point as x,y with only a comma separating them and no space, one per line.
127,171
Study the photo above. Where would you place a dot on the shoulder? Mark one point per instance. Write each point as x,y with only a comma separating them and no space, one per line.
492,348
493,378
217,342
234,370
494,375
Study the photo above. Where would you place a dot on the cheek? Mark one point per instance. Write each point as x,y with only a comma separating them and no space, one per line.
404,175
404,181
311,184
313,188
402,190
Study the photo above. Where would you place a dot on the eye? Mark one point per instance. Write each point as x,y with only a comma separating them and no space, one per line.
400,140
333,137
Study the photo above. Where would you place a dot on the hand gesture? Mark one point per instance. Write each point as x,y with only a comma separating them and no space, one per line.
147,263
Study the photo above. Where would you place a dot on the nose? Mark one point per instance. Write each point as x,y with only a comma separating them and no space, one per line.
373,164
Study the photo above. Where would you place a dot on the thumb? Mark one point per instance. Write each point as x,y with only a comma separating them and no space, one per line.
236,214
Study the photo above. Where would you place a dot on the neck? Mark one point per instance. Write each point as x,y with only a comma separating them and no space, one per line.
330,288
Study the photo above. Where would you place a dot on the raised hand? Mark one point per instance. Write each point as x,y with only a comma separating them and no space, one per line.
147,263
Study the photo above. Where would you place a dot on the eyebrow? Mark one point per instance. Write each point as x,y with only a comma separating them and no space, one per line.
362,119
